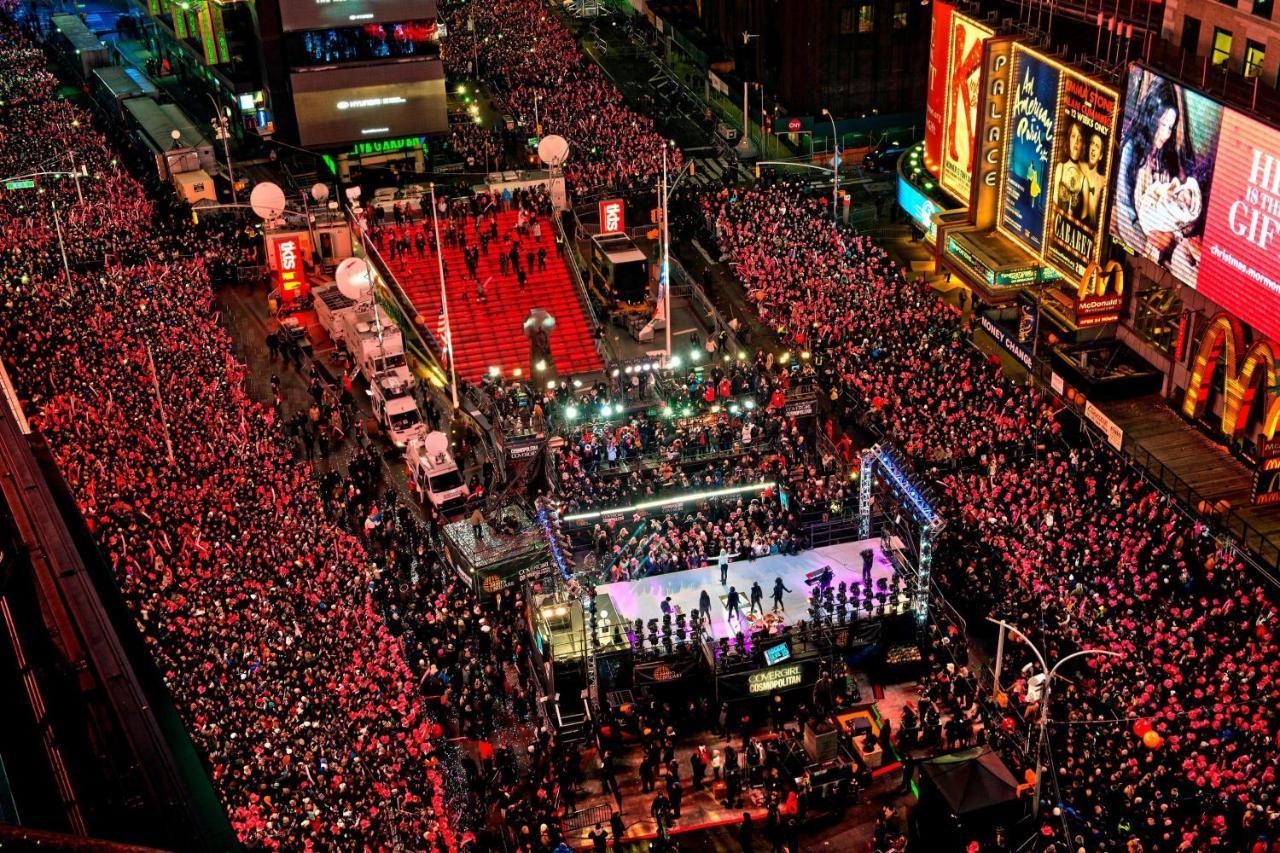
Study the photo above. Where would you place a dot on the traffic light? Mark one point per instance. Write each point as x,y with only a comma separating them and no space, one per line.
693,167
757,171
195,217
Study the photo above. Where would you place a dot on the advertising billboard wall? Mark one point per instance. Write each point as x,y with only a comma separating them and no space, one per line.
939,50
1240,261
334,14
962,94
356,103
1029,145
1168,148
1081,170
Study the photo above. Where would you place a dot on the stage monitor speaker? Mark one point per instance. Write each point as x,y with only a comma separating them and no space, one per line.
820,741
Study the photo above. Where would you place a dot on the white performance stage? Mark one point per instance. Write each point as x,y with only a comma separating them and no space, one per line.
642,599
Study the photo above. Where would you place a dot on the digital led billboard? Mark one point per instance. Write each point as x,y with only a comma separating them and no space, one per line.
1029,142
1240,260
1168,147
919,207
936,104
332,14
1081,169
963,92
357,103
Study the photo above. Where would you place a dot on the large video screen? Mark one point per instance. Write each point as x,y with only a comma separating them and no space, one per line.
1028,148
1168,148
336,106
1240,261
919,207
936,104
963,92
332,14
1081,169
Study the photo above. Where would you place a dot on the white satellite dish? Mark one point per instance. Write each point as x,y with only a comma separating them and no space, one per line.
320,192
352,276
436,443
267,200
553,150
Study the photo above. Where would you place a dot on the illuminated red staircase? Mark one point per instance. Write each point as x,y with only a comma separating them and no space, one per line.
490,334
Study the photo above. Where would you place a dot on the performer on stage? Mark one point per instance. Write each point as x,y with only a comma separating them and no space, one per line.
868,556
704,604
757,597
733,606
778,589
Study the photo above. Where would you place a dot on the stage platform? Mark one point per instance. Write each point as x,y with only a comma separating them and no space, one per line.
642,599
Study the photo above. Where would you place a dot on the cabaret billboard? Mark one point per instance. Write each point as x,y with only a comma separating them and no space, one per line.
963,92
1081,171
1029,139
1168,150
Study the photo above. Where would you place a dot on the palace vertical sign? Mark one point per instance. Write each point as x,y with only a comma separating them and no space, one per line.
997,60
612,216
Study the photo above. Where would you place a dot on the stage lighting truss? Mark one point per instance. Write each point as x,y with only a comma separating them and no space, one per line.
880,459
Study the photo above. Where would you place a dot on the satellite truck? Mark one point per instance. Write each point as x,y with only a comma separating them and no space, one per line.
396,409
432,472
347,310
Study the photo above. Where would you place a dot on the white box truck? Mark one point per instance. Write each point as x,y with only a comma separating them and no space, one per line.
433,473
396,409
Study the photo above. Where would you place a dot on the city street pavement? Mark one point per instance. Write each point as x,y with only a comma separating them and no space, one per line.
244,313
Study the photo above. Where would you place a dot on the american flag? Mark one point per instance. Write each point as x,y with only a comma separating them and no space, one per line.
442,334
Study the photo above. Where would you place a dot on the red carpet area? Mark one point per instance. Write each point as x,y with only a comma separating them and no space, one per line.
489,334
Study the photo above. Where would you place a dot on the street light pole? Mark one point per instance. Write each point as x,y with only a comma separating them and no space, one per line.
75,173
1049,673
665,271
444,299
220,122
835,165
62,248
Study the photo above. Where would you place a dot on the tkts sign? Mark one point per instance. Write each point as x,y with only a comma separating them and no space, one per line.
289,262
997,60
612,216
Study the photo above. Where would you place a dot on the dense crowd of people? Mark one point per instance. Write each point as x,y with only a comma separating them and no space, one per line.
1067,543
542,73
321,654
254,600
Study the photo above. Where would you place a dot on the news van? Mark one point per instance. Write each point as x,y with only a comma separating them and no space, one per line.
432,472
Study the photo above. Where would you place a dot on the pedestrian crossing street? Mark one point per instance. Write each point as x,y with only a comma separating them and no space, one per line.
710,172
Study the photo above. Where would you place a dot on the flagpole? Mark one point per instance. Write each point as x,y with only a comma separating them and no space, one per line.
444,298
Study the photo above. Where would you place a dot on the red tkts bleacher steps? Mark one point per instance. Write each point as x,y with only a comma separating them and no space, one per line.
490,334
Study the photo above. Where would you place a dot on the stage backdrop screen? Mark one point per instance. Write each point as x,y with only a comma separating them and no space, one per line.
963,92
333,14
1241,253
936,103
336,106
1168,148
1080,172
1029,145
